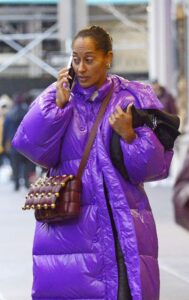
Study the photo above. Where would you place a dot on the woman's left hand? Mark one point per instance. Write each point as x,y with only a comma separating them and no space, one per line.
121,122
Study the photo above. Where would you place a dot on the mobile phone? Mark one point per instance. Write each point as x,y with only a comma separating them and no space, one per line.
71,72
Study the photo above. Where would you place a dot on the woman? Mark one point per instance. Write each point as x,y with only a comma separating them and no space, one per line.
111,251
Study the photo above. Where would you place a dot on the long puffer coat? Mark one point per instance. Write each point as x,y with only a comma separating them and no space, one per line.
76,259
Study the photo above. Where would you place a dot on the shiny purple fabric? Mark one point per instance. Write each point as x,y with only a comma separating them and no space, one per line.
76,259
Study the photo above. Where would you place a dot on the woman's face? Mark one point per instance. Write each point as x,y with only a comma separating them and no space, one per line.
90,64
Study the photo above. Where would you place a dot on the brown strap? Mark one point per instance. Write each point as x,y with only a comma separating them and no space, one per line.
93,133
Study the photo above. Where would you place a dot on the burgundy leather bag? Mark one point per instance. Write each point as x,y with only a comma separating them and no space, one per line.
57,198
54,198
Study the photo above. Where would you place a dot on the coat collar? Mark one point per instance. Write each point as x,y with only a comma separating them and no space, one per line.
92,93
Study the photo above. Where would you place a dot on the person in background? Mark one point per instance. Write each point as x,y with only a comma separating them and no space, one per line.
21,166
181,194
111,251
165,97
5,106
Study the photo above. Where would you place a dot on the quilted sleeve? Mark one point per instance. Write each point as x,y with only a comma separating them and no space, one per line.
40,133
145,158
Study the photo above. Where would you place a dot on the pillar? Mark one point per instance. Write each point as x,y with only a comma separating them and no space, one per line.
72,16
161,53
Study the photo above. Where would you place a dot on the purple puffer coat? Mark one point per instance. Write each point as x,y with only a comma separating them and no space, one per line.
76,260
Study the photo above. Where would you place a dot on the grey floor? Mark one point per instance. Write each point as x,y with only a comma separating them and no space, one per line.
16,234
173,245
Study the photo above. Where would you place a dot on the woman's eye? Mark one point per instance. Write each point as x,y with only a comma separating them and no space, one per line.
89,60
76,61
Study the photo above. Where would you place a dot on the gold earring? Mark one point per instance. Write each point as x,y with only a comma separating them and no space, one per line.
108,66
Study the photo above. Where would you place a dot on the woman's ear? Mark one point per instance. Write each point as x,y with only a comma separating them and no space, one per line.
109,58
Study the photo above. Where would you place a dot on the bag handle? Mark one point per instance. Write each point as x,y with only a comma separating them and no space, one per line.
93,134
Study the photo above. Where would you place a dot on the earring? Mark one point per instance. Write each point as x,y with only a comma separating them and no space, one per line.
108,66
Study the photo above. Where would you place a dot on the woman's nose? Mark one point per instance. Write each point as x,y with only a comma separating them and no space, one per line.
81,67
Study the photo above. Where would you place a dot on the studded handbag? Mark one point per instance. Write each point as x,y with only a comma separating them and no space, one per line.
57,198
54,198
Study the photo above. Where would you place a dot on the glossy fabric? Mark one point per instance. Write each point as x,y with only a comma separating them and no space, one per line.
124,292
77,259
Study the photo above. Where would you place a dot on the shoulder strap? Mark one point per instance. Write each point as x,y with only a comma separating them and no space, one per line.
93,133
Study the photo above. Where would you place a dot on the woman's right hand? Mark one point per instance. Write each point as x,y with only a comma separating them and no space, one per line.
62,88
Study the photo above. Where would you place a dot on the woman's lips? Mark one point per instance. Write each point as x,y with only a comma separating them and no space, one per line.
83,78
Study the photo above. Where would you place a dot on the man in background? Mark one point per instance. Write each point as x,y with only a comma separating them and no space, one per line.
21,166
